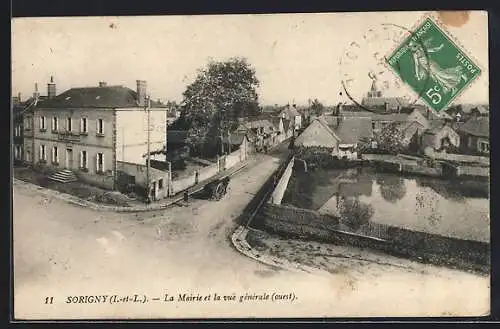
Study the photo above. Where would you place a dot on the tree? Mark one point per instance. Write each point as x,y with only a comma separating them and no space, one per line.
355,213
317,108
392,187
391,138
222,92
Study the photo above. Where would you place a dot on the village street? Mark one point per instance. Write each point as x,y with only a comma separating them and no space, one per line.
61,250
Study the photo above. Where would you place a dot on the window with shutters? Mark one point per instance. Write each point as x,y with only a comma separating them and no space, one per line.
100,163
100,127
55,155
83,160
55,124
69,124
83,126
42,124
43,154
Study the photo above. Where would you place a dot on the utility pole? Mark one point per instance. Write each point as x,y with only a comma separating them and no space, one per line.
148,109
221,130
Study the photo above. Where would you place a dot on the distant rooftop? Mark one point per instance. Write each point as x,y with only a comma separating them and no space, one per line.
479,126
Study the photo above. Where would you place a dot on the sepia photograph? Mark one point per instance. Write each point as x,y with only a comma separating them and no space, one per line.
251,166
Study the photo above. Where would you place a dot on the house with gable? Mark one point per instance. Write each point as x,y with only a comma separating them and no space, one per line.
291,113
319,134
440,137
264,131
288,129
380,121
351,132
475,136
341,137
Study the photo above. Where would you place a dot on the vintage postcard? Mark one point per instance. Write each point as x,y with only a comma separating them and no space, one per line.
251,166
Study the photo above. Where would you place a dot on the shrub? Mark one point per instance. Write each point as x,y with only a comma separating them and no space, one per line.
355,213
320,156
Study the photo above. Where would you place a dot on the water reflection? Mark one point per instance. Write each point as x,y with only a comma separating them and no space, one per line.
354,213
363,199
392,188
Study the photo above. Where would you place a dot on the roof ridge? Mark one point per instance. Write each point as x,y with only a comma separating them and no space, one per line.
323,122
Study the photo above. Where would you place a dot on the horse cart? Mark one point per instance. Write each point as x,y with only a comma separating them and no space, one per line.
217,189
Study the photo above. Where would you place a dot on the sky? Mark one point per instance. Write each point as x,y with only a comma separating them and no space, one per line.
296,56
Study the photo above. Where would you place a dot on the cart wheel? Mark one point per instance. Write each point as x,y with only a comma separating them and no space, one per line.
219,191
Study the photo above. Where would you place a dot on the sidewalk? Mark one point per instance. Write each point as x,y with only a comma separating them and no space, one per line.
158,205
238,239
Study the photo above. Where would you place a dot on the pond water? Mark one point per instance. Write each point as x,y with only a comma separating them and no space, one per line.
457,208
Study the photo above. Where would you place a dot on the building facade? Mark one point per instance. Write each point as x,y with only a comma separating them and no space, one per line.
475,136
88,130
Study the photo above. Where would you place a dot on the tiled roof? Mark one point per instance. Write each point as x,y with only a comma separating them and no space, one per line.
276,121
97,97
481,109
265,122
376,116
352,130
479,126
23,106
286,124
318,133
426,112
332,121
393,102
325,124
291,112
412,128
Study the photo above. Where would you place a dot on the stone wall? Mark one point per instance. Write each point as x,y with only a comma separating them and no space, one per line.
462,158
309,224
418,169
473,171
282,184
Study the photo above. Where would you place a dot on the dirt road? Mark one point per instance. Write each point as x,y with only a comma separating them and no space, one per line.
61,251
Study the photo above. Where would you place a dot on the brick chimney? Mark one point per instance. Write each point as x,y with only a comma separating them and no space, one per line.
102,84
36,93
141,92
51,88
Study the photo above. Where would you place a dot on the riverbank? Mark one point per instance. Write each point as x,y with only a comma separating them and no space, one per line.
309,225
335,258
401,164
413,165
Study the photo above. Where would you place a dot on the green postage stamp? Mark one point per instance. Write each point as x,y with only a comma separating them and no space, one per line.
433,65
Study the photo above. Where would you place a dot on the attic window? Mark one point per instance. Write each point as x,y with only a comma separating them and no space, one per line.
68,98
